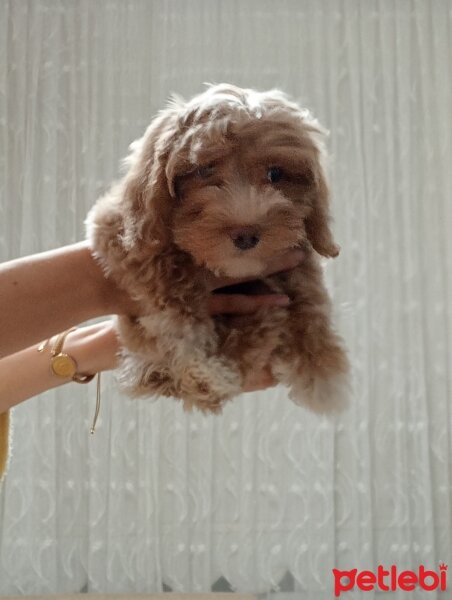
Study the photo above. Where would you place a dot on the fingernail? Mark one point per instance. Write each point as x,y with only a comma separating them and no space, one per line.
282,301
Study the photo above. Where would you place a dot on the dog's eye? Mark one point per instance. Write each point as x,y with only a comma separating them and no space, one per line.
206,171
274,174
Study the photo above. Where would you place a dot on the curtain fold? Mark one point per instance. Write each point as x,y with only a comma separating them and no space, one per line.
267,497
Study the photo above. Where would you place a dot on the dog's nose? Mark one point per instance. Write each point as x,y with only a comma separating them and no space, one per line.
245,238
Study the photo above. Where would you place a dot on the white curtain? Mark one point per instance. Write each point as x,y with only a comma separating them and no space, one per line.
266,498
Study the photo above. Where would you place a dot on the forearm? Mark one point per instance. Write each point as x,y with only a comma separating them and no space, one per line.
24,375
27,373
46,293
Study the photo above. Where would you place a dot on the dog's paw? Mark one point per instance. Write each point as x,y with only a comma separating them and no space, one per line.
321,377
333,250
322,394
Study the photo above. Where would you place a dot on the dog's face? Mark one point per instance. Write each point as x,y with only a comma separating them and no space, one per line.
243,177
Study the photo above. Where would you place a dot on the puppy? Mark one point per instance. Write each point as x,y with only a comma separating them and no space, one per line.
220,184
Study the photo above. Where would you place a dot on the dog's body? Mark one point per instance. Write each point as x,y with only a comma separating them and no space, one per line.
221,184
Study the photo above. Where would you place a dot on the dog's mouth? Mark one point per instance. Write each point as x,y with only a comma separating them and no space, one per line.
256,287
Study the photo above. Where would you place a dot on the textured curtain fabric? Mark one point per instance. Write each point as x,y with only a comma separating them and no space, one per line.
267,497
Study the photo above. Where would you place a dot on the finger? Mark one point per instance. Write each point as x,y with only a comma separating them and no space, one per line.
287,261
260,381
240,304
276,264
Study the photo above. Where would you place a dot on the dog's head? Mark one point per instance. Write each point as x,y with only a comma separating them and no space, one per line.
232,177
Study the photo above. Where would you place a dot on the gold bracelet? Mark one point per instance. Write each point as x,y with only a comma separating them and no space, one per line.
64,365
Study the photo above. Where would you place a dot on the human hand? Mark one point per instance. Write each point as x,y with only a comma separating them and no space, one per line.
96,347
241,304
103,343
119,302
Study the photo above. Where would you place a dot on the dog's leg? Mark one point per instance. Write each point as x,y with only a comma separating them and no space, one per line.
321,377
250,340
170,357
312,360
207,382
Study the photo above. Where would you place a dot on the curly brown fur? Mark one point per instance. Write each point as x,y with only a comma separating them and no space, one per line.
222,183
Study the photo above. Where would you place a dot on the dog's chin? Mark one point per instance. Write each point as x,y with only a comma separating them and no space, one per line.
237,267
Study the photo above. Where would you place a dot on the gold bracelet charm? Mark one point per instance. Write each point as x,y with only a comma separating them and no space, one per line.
64,365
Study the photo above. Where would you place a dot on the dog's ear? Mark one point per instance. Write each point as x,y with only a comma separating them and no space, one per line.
318,221
146,195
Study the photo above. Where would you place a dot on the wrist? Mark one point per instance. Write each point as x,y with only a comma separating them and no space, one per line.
94,348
